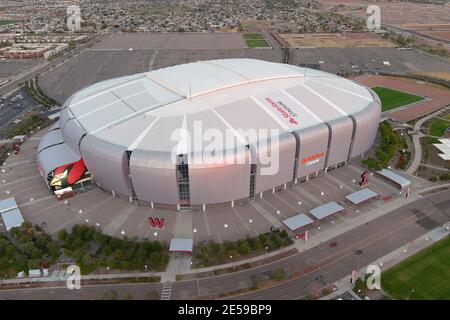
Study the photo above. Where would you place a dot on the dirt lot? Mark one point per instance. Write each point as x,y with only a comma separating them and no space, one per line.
438,75
331,40
439,34
428,27
400,13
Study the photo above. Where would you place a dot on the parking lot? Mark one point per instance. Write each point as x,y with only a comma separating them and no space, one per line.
371,59
112,57
116,216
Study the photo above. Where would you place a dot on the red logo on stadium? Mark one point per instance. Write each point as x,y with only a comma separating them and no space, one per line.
313,157
285,111
156,223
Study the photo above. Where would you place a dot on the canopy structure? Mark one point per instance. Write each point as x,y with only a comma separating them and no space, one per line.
181,245
361,196
7,204
12,218
297,222
444,146
395,178
326,210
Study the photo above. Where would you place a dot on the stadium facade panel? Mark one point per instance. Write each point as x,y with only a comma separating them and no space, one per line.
142,136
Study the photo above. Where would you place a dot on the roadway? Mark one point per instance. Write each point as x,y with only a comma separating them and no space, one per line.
313,269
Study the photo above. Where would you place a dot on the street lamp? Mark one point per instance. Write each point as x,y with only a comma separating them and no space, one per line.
410,291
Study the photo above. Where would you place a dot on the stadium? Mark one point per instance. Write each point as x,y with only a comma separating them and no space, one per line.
119,133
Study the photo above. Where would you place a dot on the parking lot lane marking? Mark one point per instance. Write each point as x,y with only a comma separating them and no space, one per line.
117,222
316,201
286,202
43,210
206,223
274,208
269,217
297,197
83,215
20,180
240,218
339,183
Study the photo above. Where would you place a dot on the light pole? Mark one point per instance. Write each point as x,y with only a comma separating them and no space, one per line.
410,291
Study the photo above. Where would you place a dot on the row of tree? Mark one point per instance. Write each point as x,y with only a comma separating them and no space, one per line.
390,141
213,253
91,249
27,247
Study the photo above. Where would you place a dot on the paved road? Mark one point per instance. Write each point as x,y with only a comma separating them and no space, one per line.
374,239
92,292
320,266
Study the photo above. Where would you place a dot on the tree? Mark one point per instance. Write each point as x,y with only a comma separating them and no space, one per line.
153,295
128,296
110,295
243,248
279,274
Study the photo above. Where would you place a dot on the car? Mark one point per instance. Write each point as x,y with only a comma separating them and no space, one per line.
333,244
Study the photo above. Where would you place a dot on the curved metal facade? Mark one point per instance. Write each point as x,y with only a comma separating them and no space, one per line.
128,130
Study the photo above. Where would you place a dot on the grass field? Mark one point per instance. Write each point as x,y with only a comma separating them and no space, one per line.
5,22
438,127
427,273
391,99
255,40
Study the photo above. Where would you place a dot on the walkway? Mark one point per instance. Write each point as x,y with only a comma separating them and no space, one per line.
416,140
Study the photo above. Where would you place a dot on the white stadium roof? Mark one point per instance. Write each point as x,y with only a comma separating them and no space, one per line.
124,111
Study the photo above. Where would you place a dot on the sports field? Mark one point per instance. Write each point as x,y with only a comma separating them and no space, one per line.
255,40
438,127
427,273
4,22
391,99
